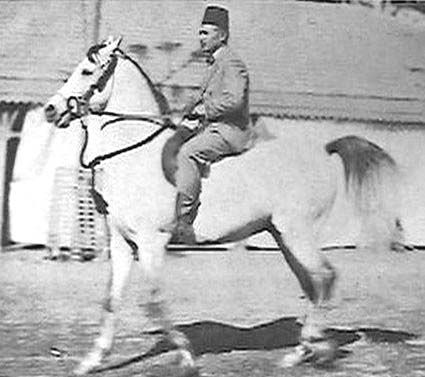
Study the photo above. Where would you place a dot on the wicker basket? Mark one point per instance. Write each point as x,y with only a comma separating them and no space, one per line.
76,229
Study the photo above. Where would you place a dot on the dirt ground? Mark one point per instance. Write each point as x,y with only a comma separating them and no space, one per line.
242,303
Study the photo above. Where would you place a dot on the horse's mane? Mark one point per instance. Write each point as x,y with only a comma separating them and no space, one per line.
172,146
160,98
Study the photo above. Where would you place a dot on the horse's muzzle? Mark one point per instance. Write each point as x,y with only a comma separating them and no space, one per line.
59,119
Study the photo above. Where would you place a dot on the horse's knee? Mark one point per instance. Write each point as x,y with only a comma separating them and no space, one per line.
186,151
152,253
107,305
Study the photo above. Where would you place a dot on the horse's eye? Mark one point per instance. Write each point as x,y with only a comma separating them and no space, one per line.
86,72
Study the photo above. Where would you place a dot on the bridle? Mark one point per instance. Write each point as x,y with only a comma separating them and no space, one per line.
79,107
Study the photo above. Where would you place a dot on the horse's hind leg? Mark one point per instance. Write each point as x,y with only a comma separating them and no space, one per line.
316,277
121,260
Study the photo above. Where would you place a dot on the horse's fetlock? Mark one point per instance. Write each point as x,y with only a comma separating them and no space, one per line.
328,283
179,339
155,309
102,346
311,333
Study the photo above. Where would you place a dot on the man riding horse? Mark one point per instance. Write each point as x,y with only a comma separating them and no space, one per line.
220,110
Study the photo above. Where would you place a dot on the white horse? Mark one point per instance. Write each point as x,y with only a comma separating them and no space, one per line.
256,191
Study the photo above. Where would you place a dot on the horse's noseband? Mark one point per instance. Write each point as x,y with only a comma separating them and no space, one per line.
77,107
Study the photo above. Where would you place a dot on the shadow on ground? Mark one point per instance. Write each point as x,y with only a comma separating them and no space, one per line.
215,337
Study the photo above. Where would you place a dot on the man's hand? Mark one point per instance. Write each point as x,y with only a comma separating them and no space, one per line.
191,124
193,120
198,113
199,110
183,120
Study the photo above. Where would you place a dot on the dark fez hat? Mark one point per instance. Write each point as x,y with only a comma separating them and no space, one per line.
217,16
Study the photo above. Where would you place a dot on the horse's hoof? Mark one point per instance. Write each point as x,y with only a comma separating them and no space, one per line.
320,353
186,364
301,354
325,351
83,369
91,362
185,359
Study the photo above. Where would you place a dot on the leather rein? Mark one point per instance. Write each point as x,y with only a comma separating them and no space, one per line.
78,108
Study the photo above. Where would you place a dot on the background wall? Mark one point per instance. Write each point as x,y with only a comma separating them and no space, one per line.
44,149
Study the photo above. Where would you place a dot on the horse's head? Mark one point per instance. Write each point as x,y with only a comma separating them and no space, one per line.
89,86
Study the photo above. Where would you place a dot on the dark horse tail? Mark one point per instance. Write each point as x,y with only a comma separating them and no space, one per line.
372,182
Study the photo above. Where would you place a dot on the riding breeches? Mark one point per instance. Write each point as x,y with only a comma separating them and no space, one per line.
195,155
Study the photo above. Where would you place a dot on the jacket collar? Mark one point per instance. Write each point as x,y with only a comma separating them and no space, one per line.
219,53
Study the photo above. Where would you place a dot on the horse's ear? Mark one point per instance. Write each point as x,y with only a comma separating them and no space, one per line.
117,42
113,42
109,40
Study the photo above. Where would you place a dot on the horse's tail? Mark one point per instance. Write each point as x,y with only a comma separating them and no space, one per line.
372,182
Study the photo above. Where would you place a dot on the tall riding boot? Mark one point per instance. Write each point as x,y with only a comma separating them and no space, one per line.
186,211
178,213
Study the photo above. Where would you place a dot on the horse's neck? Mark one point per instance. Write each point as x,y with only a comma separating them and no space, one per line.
132,94
131,91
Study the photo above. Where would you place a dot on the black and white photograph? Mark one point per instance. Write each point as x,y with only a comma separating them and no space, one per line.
196,188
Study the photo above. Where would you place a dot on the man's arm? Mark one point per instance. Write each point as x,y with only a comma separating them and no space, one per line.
192,103
234,90
189,113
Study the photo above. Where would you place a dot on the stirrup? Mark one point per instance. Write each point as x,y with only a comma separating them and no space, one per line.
168,227
183,234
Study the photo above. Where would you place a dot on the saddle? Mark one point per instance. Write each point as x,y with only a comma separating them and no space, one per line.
171,150
183,134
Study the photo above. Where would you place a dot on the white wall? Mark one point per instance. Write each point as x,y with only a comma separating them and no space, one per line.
41,151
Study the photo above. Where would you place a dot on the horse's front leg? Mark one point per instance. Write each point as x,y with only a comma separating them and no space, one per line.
121,261
152,251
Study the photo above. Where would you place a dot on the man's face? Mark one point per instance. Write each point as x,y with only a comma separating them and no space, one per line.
210,38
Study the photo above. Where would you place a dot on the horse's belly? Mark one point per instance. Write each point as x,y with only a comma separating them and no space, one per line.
266,181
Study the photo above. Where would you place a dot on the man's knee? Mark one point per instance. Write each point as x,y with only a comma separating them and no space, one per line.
183,155
188,152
